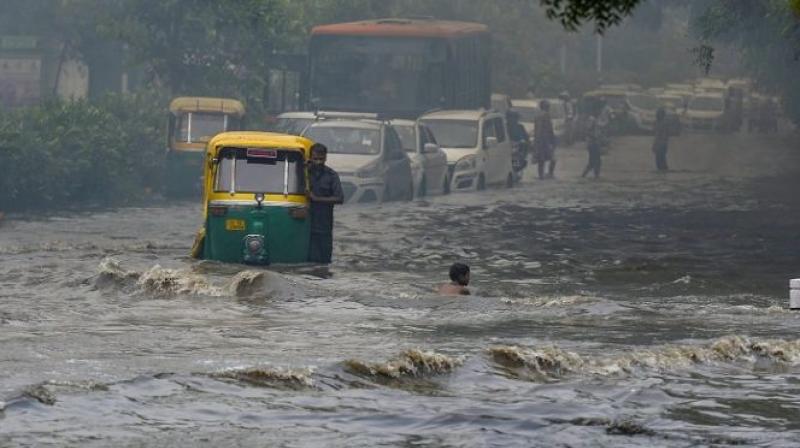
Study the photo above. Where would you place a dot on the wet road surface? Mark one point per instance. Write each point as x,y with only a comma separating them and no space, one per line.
639,309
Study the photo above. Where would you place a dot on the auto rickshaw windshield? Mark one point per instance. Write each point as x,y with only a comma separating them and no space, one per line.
267,171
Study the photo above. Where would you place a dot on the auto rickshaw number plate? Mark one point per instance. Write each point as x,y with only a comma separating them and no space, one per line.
234,225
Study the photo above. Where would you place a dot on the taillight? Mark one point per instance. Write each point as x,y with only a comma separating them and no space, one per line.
217,210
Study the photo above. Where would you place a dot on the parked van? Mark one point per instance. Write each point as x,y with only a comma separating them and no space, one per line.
479,152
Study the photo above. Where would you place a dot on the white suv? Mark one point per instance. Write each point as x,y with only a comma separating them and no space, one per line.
478,149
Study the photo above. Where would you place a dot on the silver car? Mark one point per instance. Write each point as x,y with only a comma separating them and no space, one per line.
428,160
368,156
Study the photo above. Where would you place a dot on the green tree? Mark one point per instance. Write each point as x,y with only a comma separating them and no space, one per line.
767,35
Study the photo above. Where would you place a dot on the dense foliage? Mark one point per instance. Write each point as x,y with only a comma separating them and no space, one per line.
767,36
63,153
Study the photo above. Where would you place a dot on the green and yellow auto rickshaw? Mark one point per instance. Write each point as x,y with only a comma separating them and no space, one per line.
255,208
193,121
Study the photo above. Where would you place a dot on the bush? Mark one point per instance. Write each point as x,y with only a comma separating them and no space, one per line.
81,153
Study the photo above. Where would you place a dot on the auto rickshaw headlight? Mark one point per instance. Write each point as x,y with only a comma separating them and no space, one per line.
254,243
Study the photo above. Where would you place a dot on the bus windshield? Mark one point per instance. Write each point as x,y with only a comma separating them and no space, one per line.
378,74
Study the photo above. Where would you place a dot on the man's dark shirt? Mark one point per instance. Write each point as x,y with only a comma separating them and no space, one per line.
517,133
543,136
324,183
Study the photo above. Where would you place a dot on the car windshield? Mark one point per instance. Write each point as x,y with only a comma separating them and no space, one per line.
293,126
645,102
408,137
346,140
527,114
616,102
707,104
674,102
242,170
454,133
200,127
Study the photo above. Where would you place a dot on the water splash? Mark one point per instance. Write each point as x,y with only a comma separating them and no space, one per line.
276,378
169,282
553,362
410,363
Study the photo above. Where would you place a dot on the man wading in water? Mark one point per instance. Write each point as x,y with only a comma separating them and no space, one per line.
459,276
544,141
325,192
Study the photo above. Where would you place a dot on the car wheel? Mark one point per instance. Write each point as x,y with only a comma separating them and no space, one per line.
481,183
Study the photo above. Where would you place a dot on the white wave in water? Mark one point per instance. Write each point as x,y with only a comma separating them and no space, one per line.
554,362
549,302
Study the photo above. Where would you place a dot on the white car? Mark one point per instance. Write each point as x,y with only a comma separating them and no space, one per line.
292,122
479,152
642,109
428,160
705,111
369,158
559,114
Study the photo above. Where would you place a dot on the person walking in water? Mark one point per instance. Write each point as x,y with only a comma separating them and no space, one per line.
544,141
459,280
593,145
325,192
661,133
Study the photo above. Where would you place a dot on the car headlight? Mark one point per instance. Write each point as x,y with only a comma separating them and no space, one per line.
371,170
466,163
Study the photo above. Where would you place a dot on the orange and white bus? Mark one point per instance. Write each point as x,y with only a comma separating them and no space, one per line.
399,67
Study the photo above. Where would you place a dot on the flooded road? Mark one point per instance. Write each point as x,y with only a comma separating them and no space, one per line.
640,309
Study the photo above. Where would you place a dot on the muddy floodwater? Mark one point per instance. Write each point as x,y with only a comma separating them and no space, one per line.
641,309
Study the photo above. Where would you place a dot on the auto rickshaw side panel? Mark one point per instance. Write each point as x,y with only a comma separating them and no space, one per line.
283,230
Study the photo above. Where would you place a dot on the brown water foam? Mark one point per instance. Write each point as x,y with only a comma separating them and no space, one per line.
277,378
412,363
553,362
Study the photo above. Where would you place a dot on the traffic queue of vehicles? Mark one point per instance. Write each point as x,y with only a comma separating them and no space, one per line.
705,104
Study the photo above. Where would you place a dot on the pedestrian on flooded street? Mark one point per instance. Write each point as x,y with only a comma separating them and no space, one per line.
544,141
661,132
593,146
325,192
459,280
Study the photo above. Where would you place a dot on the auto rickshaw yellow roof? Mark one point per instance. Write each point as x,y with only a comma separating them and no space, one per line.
206,104
256,139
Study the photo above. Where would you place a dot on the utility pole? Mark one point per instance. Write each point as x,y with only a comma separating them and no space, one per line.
599,53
